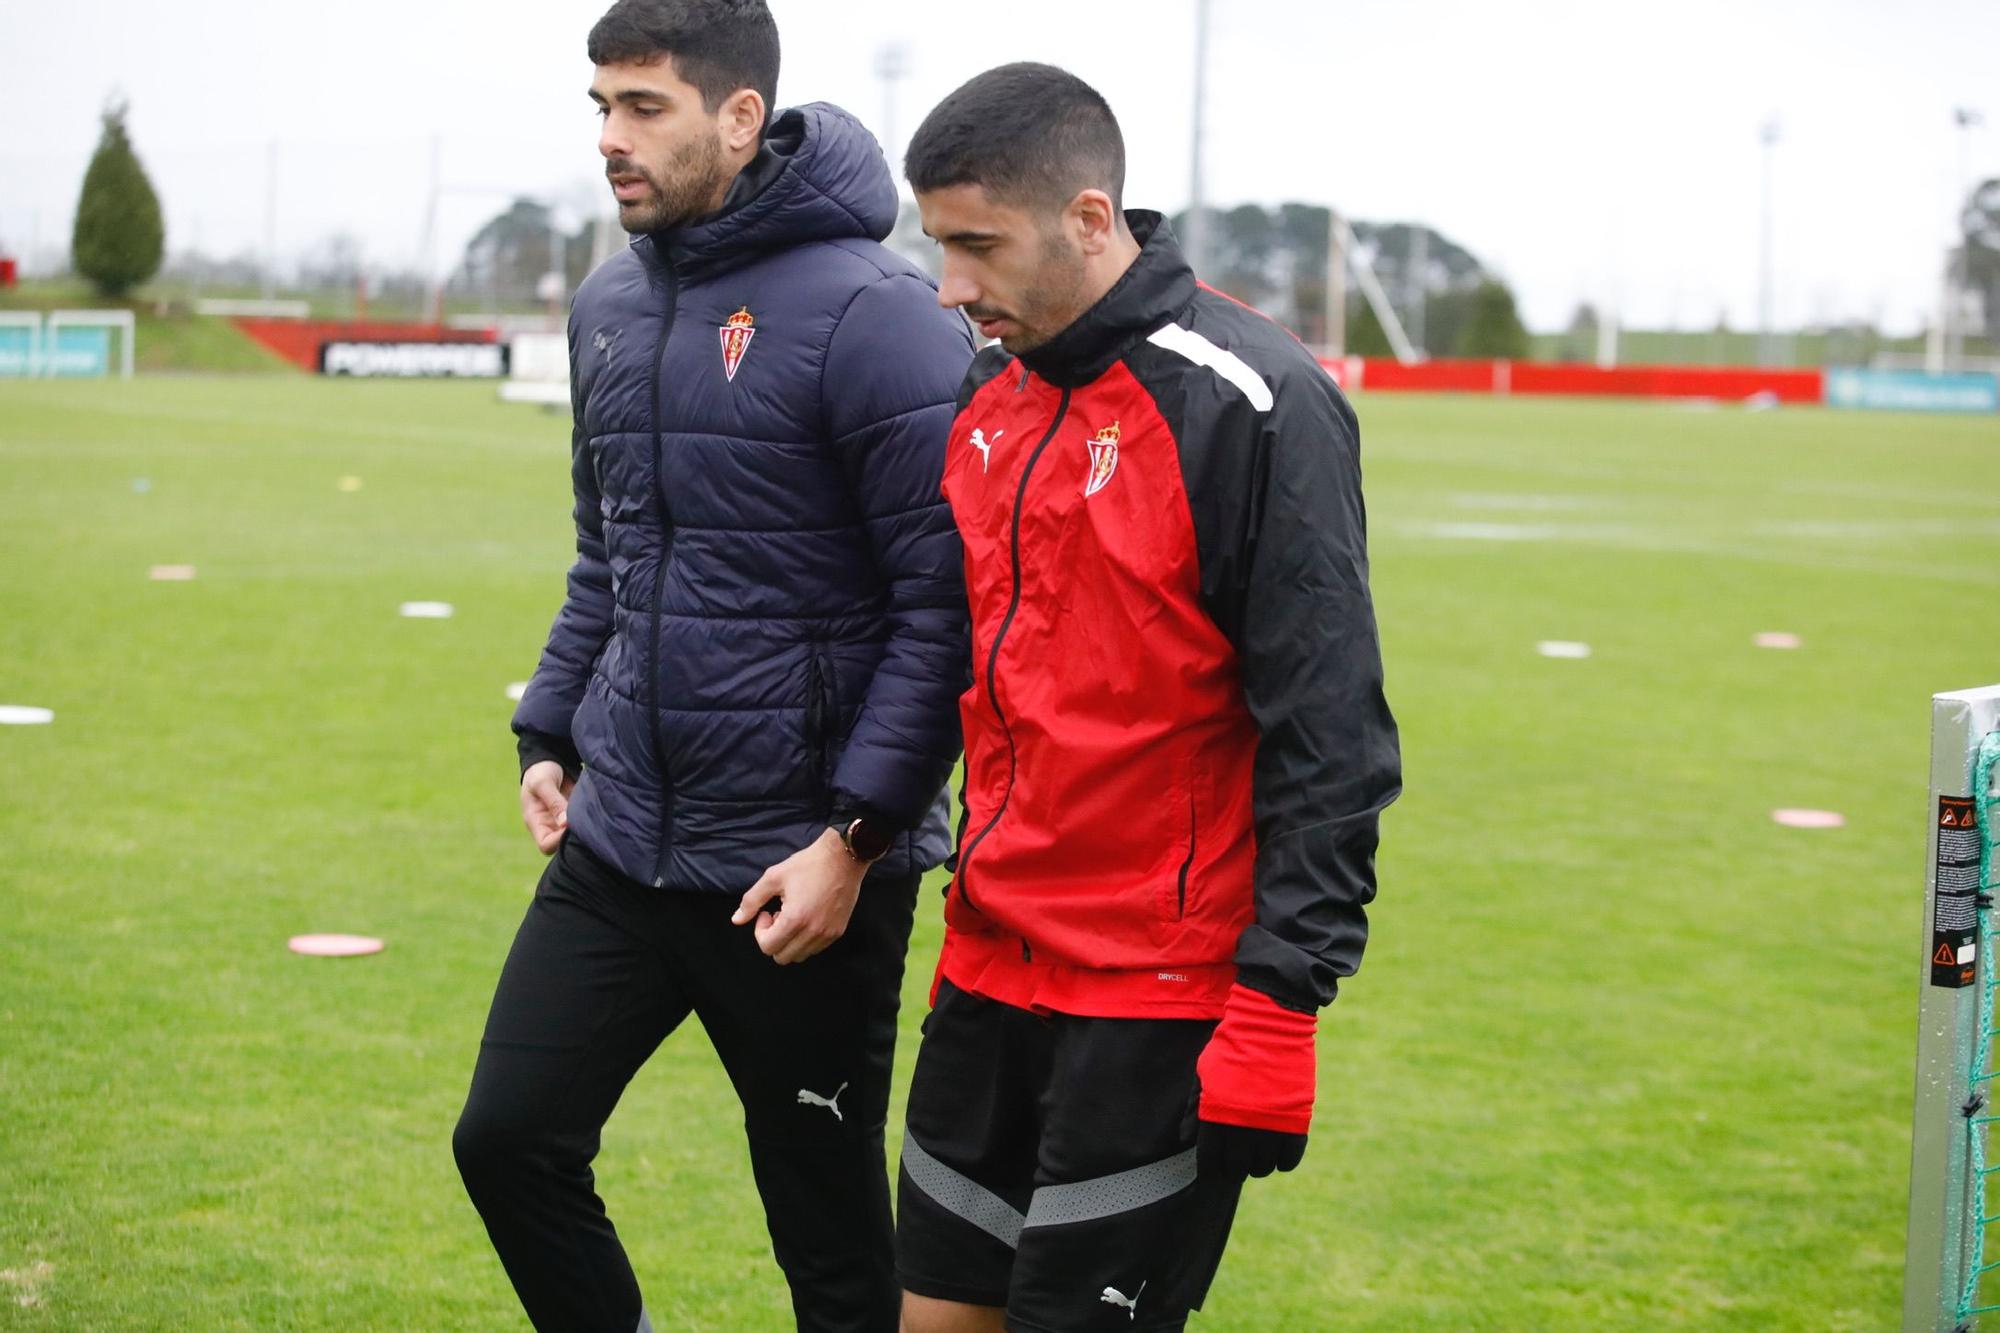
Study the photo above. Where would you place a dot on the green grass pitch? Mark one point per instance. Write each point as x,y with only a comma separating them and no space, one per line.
1624,1053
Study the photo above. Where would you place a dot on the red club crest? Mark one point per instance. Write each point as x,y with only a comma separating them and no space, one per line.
1103,459
737,332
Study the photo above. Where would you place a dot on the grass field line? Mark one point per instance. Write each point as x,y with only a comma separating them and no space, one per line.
1663,473
1531,503
1963,497
1882,530
1630,537
290,426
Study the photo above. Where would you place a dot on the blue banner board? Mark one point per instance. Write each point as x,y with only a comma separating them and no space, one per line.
82,351
77,351
1912,391
17,351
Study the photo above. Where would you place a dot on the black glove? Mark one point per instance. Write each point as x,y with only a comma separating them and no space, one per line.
1234,1150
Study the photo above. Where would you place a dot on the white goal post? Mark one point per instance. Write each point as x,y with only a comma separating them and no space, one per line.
46,354
537,370
26,360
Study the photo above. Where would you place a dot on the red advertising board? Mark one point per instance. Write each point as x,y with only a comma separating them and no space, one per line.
1532,377
299,340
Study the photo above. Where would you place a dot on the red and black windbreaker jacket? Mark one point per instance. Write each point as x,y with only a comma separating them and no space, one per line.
1176,742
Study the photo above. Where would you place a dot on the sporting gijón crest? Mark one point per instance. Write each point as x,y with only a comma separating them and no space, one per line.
1103,459
737,332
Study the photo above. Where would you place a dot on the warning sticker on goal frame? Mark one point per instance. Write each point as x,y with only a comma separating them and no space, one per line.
1954,949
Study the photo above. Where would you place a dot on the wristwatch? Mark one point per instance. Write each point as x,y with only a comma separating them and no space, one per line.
866,840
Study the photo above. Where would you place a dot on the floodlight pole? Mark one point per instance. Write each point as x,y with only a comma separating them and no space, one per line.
892,62
1419,286
427,247
1766,319
271,222
1954,285
1195,242
1336,284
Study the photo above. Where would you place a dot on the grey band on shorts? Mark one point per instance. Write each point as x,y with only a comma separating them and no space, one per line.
1052,1205
1107,1196
961,1195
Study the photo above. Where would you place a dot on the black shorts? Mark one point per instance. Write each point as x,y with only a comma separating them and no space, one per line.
1049,1167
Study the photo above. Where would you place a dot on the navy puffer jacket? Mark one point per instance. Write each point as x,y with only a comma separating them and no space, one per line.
766,618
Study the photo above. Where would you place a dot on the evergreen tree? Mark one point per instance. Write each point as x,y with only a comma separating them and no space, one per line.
119,238
1493,328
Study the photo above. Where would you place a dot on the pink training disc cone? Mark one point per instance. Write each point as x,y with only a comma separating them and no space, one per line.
1810,818
334,946
1777,639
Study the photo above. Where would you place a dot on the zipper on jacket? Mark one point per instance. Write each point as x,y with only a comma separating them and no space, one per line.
822,718
993,657
1180,887
660,578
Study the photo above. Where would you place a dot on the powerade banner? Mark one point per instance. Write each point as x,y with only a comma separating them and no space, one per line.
413,360
1912,391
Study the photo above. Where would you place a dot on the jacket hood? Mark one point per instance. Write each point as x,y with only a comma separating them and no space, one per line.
820,176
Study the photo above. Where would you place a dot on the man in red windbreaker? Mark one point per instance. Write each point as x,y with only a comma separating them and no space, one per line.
1177,747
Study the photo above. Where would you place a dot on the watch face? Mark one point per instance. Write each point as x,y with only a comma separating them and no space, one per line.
868,840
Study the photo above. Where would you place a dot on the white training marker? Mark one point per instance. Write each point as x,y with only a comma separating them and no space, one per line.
1487,532
140,485
516,690
21,715
1562,648
1778,639
171,574
1809,818
334,946
349,484
425,610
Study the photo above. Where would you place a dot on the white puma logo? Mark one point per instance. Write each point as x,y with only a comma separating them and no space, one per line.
979,443
1113,1296
807,1097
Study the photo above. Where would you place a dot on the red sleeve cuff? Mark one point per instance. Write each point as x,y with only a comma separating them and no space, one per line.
1259,1069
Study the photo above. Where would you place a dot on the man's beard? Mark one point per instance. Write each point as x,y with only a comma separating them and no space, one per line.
1051,305
681,193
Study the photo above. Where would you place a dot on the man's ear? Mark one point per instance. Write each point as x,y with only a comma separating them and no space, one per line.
1096,221
741,117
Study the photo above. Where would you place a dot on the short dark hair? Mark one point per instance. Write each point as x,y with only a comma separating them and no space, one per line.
716,45
1027,132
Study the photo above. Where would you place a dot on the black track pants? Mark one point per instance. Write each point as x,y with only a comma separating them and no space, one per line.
602,970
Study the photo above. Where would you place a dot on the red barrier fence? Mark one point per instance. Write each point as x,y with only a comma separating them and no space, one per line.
1534,377
298,340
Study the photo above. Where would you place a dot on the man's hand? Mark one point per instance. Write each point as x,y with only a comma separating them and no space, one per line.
810,894
1234,1150
545,790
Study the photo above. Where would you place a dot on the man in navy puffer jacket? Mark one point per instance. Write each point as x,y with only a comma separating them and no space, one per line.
736,742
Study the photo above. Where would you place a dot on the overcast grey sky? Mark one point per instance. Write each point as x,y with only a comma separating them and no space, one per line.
1603,150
